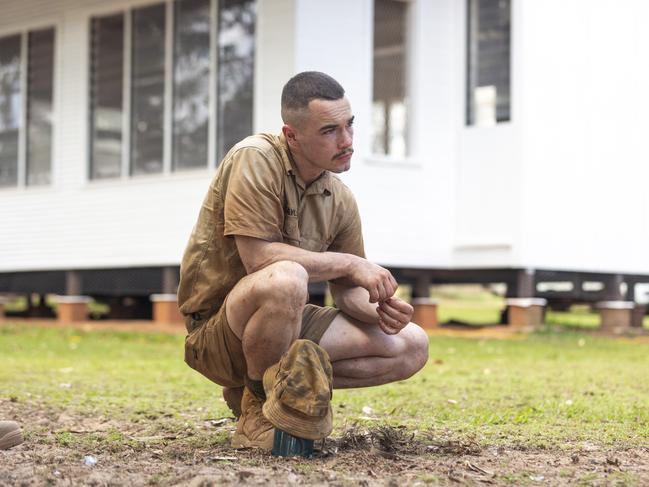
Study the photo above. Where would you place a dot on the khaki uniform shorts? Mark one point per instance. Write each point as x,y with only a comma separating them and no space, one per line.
216,352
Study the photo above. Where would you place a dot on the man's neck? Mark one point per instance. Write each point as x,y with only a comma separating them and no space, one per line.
302,167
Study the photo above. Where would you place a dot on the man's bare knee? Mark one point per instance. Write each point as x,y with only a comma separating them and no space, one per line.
416,350
279,290
285,282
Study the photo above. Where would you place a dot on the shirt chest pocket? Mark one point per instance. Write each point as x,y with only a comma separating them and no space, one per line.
313,236
291,230
315,244
307,240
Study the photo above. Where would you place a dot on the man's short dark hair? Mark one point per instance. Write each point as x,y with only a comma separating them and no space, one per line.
307,86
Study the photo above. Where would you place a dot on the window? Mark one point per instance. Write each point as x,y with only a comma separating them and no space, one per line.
106,86
10,108
236,68
488,62
147,89
390,102
40,72
164,100
191,84
26,87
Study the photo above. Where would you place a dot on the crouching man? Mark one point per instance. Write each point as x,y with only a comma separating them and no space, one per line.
275,218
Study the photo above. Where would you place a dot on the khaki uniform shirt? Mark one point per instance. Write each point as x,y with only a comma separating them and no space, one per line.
257,192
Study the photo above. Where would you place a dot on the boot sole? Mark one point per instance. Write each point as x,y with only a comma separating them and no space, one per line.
11,439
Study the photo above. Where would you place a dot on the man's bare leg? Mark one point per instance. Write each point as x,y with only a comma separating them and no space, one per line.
363,355
265,311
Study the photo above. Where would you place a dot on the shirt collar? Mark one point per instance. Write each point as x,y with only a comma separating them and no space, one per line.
321,185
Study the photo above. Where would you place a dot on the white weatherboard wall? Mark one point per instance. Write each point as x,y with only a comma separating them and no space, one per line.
75,223
274,61
145,221
489,167
407,205
586,100
562,186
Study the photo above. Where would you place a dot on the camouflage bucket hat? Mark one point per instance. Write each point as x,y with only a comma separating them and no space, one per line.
298,390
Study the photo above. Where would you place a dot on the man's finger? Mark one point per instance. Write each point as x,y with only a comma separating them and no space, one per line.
400,305
374,294
390,321
394,283
388,330
384,292
395,305
394,313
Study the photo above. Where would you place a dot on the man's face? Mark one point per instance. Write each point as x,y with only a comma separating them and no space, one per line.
323,140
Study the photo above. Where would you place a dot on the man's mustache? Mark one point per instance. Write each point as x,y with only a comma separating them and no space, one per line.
342,153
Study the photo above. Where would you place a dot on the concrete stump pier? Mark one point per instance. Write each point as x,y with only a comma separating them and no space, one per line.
72,308
165,309
425,313
615,316
525,312
637,318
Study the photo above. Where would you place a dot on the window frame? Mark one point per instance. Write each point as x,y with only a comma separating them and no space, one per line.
23,31
168,167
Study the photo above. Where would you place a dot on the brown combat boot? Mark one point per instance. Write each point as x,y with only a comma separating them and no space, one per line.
10,434
233,396
253,429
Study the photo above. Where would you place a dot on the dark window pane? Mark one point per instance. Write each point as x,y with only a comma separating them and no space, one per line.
489,45
147,89
191,83
106,85
40,72
389,108
235,72
10,109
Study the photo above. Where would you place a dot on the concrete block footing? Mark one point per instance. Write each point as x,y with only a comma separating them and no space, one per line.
3,301
165,309
425,313
525,312
638,314
616,316
72,308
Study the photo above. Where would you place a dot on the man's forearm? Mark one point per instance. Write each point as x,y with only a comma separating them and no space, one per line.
321,266
345,269
355,302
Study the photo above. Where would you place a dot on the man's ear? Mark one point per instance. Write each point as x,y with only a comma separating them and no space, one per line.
289,134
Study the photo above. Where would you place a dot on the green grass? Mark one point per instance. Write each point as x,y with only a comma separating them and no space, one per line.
472,304
579,318
101,371
19,304
475,304
544,390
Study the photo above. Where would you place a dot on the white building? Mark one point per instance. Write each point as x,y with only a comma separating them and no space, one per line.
496,140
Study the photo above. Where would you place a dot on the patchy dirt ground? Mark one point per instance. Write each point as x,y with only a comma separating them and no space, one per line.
57,442
158,450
